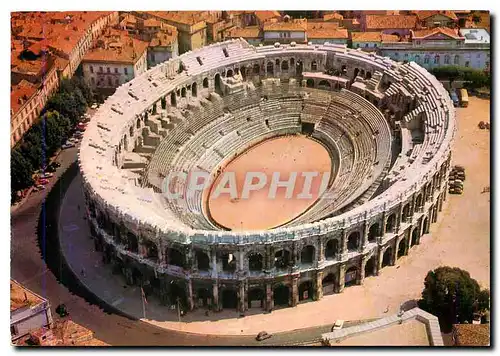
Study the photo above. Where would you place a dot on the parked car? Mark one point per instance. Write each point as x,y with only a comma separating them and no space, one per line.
43,181
46,175
50,169
67,145
78,134
454,98
263,335
39,187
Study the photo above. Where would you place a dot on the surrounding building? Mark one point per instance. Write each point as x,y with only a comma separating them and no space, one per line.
116,59
321,32
33,79
163,46
442,46
371,41
390,24
28,311
430,19
285,32
191,26
251,34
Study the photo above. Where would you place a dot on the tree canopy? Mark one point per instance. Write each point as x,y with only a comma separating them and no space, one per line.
453,296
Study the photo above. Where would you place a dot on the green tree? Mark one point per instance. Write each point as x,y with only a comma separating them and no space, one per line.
452,295
21,172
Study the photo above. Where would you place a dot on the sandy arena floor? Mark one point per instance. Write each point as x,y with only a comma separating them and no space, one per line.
283,155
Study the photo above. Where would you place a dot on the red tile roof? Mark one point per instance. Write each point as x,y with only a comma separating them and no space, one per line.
327,30
264,16
116,46
373,36
19,94
293,25
246,32
381,22
421,34
423,14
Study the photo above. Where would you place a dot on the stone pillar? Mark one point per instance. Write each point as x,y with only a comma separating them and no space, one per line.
364,235
319,285
412,208
343,247
380,259
242,297
295,254
241,260
361,274
394,254
321,250
269,297
295,290
190,294
214,263
384,223
215,303
341,280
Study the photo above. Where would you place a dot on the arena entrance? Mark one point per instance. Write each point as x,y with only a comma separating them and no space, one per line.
306,291
328,284
256,298
351,277
307,128
229,299
281,295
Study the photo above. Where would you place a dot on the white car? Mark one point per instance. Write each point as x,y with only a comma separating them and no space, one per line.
68,145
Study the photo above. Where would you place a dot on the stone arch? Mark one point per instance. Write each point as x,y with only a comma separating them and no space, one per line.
132,242
194,89
256,294
406,213
368,75
387,257
351,276
175,257
390,225
256,69
324,84
202,261
414,236
284,65
329,283
173,99
229,73
419,202
203,296
183,92
425,226
331,249
138,124
255,261
353,241
151,250
292,62
370,267
307,254
125,143
373,232
310,83
314,65
217,83
299,67
282,259
229,298
277,62
270,68
281,295
243,72
306,291
205,82
356,71
229,262
401,248
131,130
343,69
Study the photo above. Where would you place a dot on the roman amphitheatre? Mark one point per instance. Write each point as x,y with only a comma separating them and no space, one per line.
382,130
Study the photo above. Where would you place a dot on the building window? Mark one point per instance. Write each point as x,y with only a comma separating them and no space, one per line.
396,55
478,55
447,59
457,59
417,42
466,63
116,70
374,45
406,55
109,81
357,45
92,80
436,59
125,70
426,59
366,45
100,69
91,69
417,58
108,70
